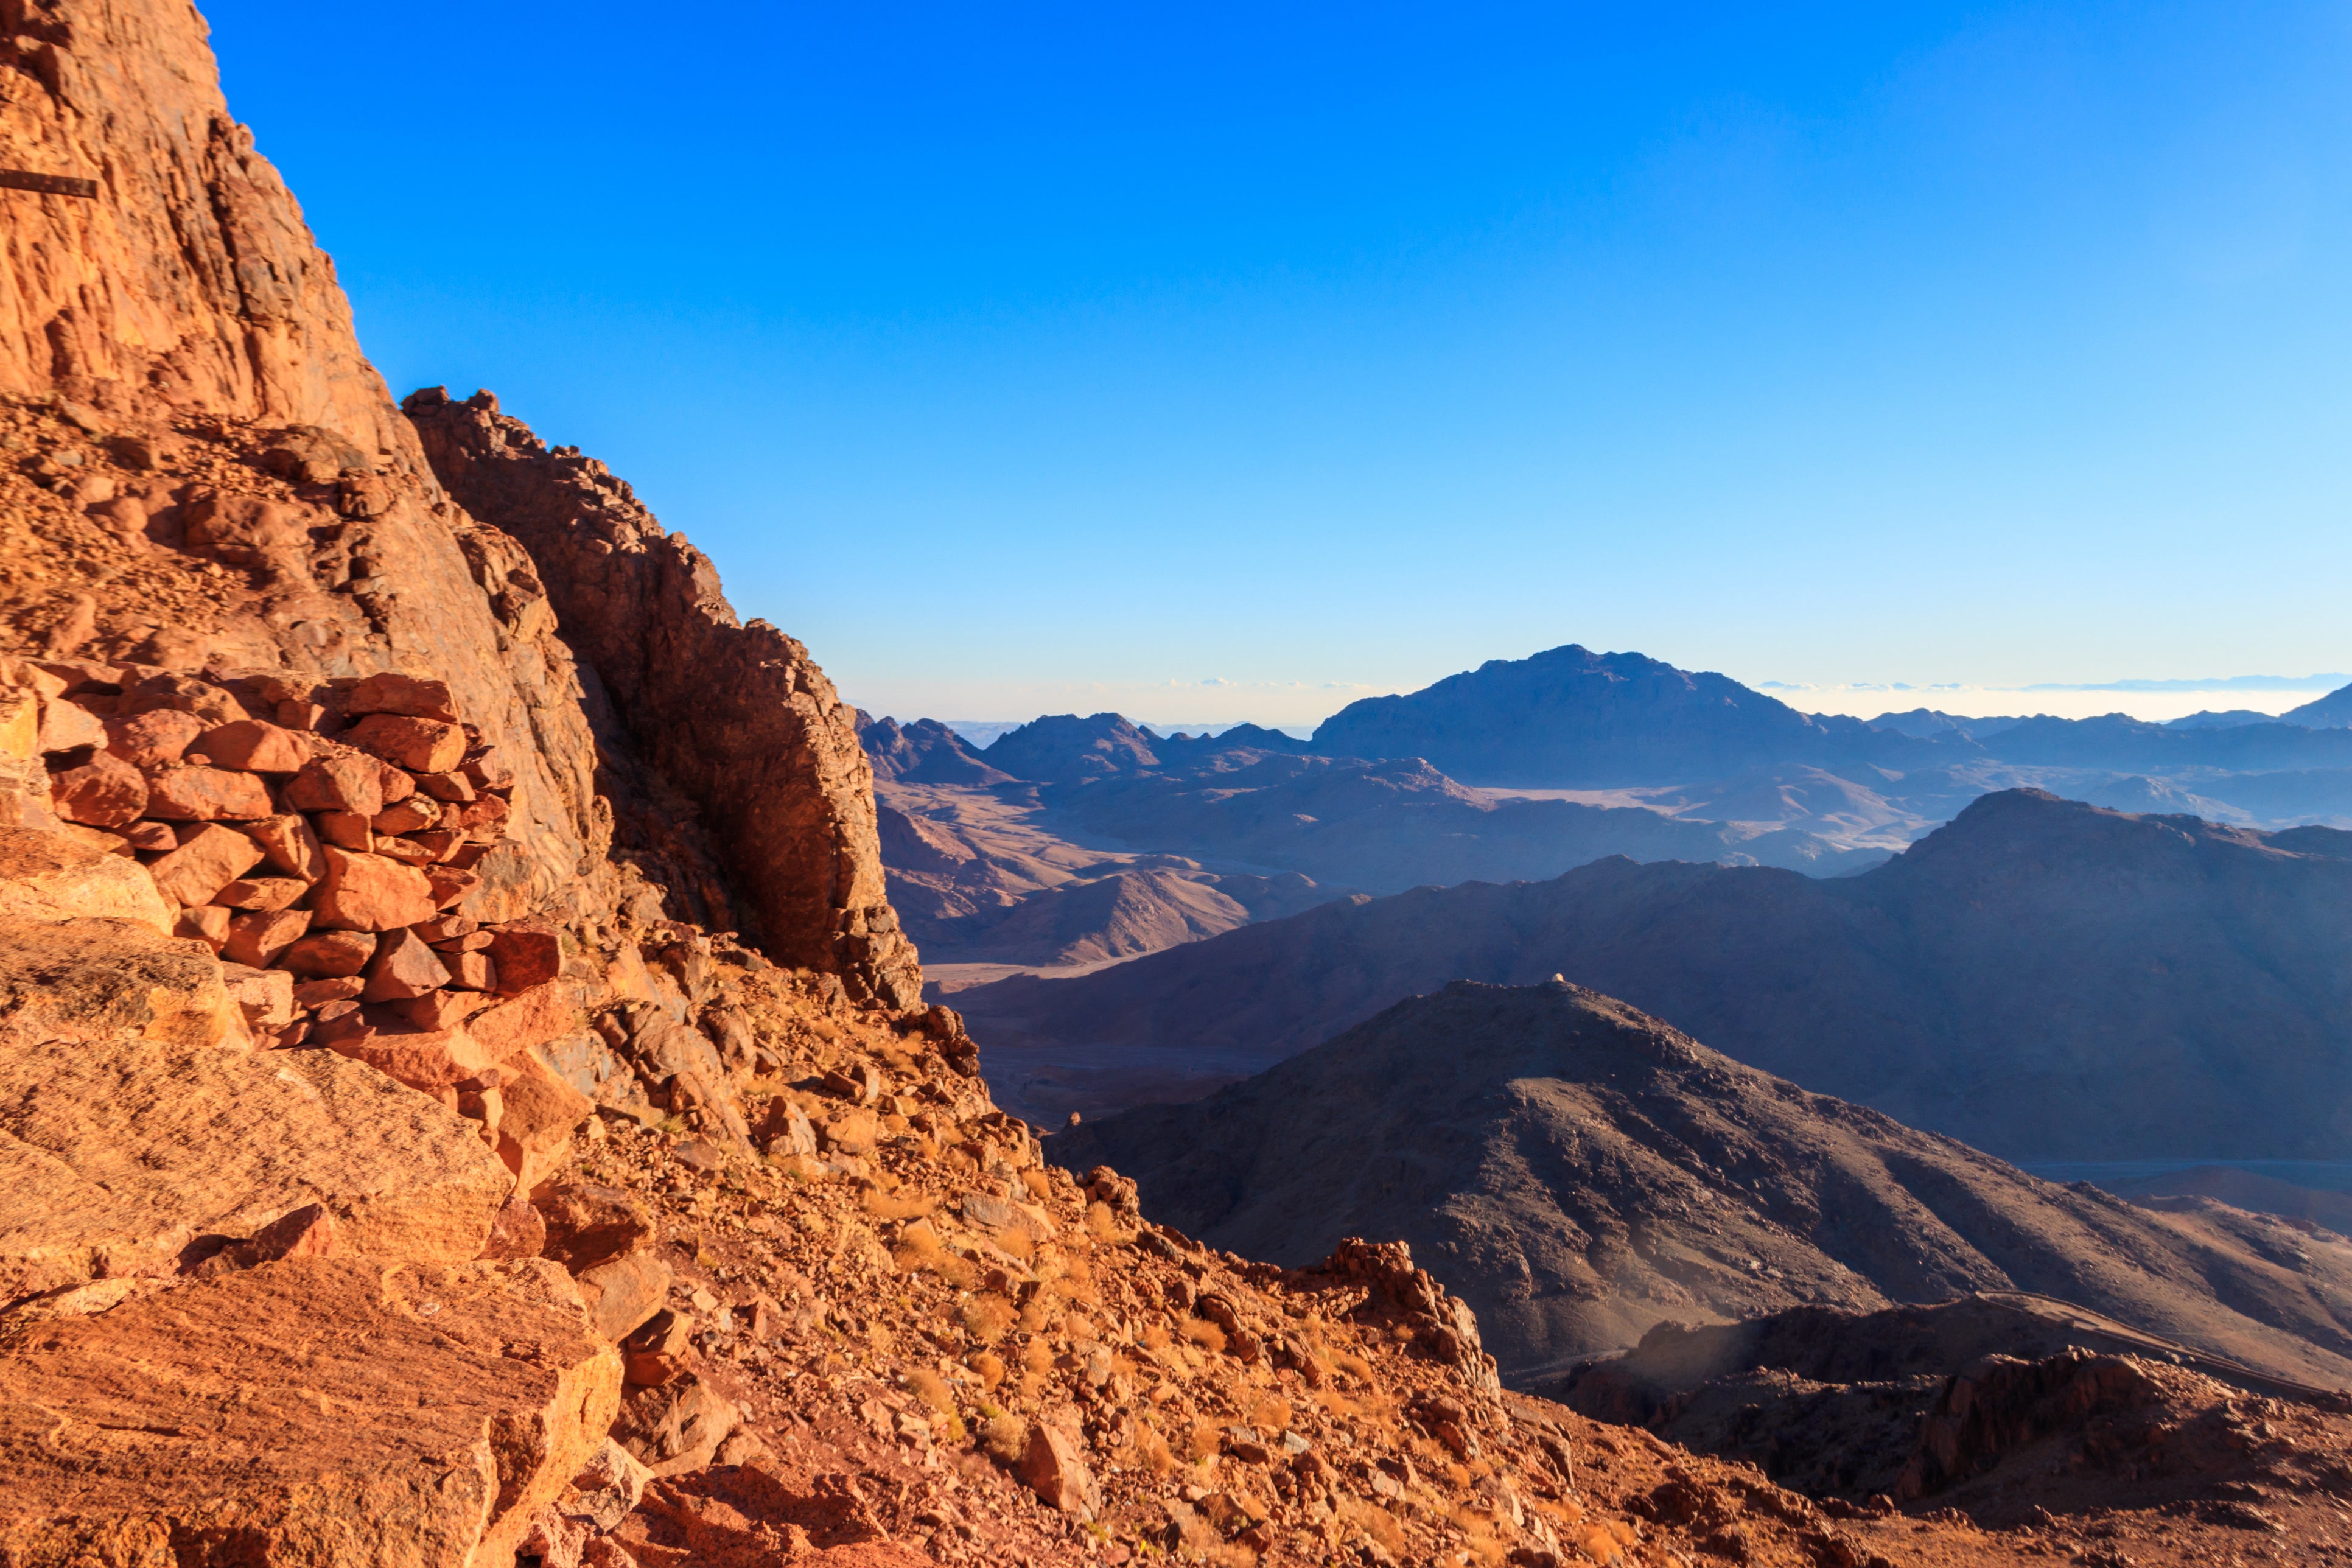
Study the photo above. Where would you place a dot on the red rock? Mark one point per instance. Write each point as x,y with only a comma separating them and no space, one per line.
588,1225
474,940
484,816
402,966
290,844
451,886
624,1292
408,695
345,830
150,838
206,795
441,843
531,1019
417,811
520,1231
105,792
251,746
153,741
419,745
318,993
342,781
298,715
259,939
535,1127
1054,1468
207,924
451,787
265,995
329,954
443,1009
396,783
407,851
445,929
210,860
368,892
485,769
262,893
526,956
67,727
471,971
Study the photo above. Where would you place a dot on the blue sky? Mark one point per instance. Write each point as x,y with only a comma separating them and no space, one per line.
1215,361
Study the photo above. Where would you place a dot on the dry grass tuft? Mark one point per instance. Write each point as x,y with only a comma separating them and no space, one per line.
1156,1337
1376,1522
1018,1242
1205,1333
883,1205
1040,1185
989,1367
931,1388
1148,1450
1006,1437
985,1318
1206,1440
1271,1415
1102,1223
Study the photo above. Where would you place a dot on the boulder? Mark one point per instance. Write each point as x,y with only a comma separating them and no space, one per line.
152,742
268,893
1053,1464
311,1411
410,696
252,746
115,1156
49,877
676,1427
404,966
340,781
206,795
105,792
207,861
330,954
101,978
535,1127
622,1293
526,956
290,844
368,892
260,939
419,745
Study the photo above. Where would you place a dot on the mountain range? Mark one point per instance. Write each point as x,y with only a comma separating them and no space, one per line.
2032,958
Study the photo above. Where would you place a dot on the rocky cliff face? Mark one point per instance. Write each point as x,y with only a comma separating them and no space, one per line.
736,714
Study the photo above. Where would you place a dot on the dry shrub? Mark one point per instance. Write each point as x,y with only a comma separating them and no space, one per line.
1457,1477
1148,1450
1376,1522
985,1318
931,1388
1038,1356
1078,1326
1206,1440
1040,1314
1005,1438
959,1164
1205,1333
1599,1546
1103,1224
883,1205
1156,1337
1040,1185
1354,1365
1566,1511
1271,1415
989,1367
1018,1242
1336,1403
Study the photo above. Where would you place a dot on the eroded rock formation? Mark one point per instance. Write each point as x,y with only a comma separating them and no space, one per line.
735,713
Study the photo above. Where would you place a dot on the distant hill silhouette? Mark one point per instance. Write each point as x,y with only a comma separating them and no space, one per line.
1578,1172
925,751
2045,979
2333,711
1573,718
1065,748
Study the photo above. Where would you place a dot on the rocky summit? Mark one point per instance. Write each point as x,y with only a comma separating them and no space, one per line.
466,1097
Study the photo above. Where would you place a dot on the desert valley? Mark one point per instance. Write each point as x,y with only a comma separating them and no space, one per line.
502,1065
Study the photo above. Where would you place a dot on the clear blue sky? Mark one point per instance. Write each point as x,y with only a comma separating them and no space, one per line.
1039,356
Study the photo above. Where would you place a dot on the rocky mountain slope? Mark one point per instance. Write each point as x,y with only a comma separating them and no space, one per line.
2033,957
1579,1171
925,751
2333,711
621,1214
